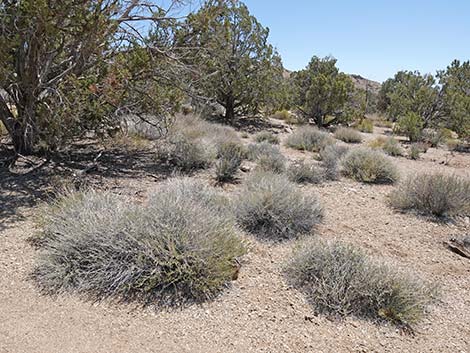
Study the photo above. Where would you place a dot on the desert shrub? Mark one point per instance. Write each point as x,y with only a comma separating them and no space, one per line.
366,125
187,154
304,172
348,135
230,156
392,147
330,157
181,247
255,150
271,207
415,151
267,156
411,125
433,194
378,142
309,139
432,137
272,162
339,279
369,166
267,136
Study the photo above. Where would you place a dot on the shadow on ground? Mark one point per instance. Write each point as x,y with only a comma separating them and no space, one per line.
32,180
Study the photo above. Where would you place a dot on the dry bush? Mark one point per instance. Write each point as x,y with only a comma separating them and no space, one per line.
379,142
433,194
392,147
271,207
366,125
187,154
267,136
339,279
305,172
348,135
267,156
415,151
193,143
309,139
181,247
369,166
230,157
288,117
331,156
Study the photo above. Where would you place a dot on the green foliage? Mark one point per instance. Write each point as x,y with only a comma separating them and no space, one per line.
305,173
348,135
433,194
369,166
411,125
321,90
410,92
366,125
77,73
267,136
455,83
237,67
309,139
392,147
331,156
271,207
181,247
339,279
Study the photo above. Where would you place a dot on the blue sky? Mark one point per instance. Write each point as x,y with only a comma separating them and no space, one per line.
372,38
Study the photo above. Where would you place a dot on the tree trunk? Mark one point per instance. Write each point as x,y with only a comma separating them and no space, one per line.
229,109
22,129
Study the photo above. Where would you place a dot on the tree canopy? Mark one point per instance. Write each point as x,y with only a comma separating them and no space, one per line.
321,90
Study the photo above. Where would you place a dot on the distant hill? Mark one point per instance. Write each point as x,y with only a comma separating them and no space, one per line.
364,83
359,82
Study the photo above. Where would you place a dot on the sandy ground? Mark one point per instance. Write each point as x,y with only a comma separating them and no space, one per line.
260,312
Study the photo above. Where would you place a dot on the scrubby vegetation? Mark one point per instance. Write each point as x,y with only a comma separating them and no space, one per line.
181,247
230,156
339,279
331,156
369,166
392,147
271,207
435,194
267,156
267,136
366,125
305,172
348,135
309,139
415,151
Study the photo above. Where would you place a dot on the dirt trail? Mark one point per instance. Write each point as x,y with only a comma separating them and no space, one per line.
260,313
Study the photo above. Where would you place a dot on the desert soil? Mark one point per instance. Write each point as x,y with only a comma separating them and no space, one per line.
259,312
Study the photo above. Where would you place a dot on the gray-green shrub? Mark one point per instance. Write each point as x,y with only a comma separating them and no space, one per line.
267,136
309,139
305,172
267,156
415,151
187,154
331,156
230,157
181,247
392,147
339,279
348,135
369,166
435,194
271,207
